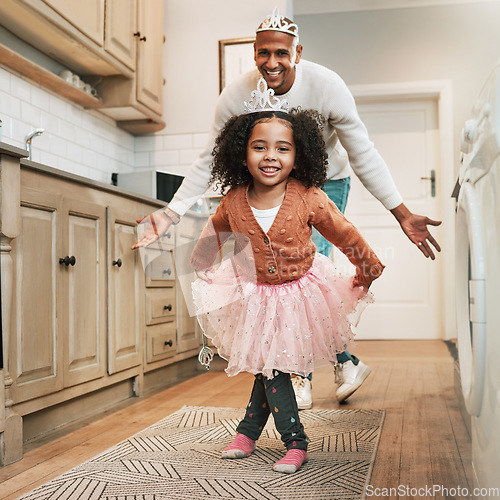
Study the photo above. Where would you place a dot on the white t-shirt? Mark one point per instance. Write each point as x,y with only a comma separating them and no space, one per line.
265,218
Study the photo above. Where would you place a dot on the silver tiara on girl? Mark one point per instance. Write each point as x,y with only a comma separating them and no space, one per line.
263,99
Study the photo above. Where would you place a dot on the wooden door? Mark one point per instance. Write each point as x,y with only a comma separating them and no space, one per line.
121,24
84,292
87,16
150,54
35,345
409,303
125,291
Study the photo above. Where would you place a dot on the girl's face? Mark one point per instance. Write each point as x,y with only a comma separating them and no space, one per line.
271,152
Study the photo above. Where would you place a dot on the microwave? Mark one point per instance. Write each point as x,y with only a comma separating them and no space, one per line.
153,183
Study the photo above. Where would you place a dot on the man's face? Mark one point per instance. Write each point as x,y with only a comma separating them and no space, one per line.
276,58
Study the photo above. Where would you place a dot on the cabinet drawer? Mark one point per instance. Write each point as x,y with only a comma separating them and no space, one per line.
160,305
161,341
159,268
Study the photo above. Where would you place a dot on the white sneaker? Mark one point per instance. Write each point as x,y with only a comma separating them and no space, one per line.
349,378
302,388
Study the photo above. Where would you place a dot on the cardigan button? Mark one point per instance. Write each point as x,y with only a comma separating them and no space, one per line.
271,269
260,269
289,240
283,231
266,240
289,217
256,250
321,205
251,231
312,214
243,218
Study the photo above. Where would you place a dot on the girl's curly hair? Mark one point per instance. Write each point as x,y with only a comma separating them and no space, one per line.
230,150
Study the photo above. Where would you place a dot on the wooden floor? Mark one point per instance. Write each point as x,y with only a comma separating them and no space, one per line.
424,441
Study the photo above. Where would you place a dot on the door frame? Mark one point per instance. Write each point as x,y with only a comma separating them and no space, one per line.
441,91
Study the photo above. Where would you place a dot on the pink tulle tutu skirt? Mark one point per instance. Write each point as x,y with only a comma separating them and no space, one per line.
291,327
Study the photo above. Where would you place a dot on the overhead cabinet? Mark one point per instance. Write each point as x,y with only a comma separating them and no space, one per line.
115,45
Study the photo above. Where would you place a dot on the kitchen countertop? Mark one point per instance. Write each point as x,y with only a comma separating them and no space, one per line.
9,150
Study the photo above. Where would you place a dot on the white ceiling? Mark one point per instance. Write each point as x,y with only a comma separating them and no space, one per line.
323,6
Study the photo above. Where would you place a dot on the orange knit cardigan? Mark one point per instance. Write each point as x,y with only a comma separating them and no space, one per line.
286,252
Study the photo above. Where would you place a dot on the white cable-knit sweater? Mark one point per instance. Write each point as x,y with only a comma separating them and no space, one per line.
315,87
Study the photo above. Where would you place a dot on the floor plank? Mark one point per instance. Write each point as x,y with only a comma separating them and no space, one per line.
424,440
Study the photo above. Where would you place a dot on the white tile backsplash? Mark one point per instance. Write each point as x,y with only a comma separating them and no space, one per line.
177,142
83,141
75,139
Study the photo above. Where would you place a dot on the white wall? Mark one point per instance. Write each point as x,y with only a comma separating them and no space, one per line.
456,42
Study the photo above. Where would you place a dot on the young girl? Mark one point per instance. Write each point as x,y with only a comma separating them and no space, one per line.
276,307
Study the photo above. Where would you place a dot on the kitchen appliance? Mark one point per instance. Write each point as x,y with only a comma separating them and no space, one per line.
477,282
153,183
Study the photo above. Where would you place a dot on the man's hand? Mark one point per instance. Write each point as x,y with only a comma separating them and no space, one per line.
415,227
153,226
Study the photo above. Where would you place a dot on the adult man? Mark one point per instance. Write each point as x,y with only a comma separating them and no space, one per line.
277,55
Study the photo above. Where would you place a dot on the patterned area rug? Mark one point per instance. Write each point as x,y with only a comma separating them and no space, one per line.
179,458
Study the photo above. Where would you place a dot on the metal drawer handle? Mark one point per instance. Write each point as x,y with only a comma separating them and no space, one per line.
167,271
117,263
169,343
68,261
167,308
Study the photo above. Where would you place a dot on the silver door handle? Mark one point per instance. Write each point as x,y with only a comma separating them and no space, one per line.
432,178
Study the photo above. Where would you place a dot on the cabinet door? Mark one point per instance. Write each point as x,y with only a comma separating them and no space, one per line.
125,289
150,54
121,24
35,346
188,330
87,16
84,292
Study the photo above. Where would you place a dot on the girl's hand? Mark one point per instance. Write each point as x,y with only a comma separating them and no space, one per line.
154,226
206,275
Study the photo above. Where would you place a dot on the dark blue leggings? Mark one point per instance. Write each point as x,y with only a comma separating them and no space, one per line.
274,396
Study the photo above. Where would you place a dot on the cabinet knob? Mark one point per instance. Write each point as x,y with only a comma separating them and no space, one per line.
169,343
137,33
167,308
68,261
142,39
167,271
117,263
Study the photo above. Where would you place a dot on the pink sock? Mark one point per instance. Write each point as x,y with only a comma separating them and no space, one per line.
291,462
241,447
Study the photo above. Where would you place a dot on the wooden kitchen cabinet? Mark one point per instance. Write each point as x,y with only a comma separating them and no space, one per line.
115,45
161,308
60,322
86,16
121,31
86,321
137,104
125,322
188,230
69,31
